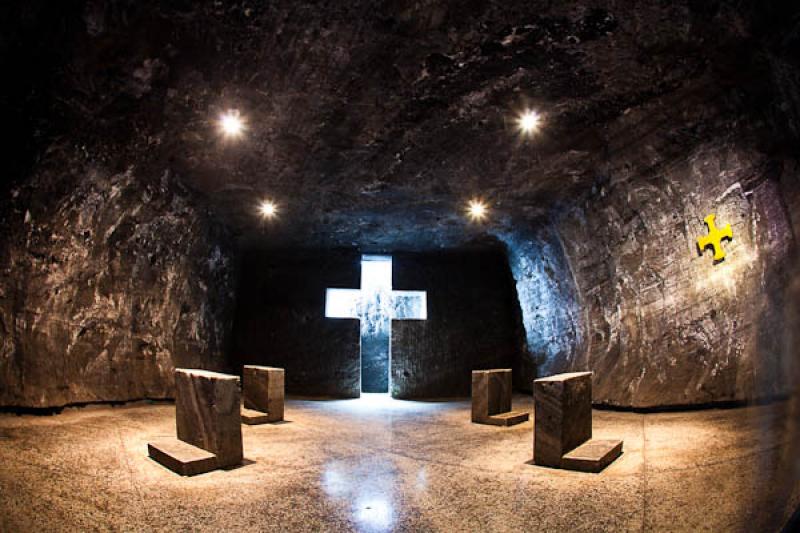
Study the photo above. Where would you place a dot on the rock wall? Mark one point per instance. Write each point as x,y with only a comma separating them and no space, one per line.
280,320
108,280
472,322
549,305
665,325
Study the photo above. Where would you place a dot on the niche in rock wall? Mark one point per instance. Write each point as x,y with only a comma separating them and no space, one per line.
447,314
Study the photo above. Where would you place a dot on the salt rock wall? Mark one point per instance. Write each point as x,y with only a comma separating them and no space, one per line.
472,322
663,324
548,302
280,320
109,280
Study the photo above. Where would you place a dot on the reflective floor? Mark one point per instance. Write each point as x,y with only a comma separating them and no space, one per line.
377,464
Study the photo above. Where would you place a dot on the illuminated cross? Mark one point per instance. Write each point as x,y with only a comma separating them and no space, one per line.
714,238
376,305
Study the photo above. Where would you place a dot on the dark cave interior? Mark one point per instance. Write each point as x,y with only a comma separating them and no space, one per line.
130,224
140,236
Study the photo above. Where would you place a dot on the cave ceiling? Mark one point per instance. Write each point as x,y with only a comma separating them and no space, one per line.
371,124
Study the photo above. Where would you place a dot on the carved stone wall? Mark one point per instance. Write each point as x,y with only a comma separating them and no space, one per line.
663,324
108,280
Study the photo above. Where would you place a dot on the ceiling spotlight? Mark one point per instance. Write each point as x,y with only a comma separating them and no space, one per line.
477,210
231,124
529,122
268,209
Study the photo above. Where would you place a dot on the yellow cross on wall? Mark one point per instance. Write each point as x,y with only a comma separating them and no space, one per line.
714,238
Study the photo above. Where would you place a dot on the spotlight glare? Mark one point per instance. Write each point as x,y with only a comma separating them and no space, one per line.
529,122
231,124
477,210
268,209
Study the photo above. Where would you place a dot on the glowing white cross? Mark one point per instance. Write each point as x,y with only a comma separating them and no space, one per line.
375,304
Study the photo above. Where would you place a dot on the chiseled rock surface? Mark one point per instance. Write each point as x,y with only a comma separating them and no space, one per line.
263,390
616,285
664,325
108,280
471,322
207,413
379,119
372,123
551,315
563,415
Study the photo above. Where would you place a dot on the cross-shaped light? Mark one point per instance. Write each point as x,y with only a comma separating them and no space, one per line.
376,305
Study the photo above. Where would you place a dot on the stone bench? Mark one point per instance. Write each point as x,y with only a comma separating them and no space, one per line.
562,429
491,398
262,394
207,417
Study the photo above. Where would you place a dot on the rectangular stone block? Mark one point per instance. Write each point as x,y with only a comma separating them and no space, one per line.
592,456
562,415
252,417
491,398
181,457
510,418
207,413
263,390
491,393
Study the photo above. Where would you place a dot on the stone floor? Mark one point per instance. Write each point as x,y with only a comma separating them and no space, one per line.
377,464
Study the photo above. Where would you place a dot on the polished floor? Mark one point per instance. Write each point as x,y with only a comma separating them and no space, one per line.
377,464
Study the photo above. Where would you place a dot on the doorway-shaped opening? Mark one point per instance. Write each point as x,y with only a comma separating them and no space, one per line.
375,305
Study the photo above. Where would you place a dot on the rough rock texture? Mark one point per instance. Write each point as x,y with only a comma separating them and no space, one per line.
371,124
785,480
109,280
550,311
613,281
280,320
663,324
472,323
620,288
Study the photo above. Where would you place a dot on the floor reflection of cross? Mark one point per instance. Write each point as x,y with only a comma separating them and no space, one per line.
375,305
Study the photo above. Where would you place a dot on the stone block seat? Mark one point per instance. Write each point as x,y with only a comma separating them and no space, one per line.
562,429
262,394
491,398
209,434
